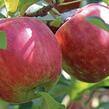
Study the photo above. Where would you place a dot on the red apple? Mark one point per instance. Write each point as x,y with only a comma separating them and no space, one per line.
85,47
32,60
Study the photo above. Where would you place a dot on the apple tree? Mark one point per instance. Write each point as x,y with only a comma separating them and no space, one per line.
54,54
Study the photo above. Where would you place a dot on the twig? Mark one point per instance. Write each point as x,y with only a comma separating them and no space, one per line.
90,97
43,11
68,3
88,100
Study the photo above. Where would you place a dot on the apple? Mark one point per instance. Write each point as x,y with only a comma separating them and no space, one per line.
62,8
31,62
85,47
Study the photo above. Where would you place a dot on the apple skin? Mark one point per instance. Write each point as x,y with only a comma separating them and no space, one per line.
85,47
31,62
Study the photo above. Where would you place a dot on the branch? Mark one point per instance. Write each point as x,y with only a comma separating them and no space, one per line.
68,3
90,97
43,11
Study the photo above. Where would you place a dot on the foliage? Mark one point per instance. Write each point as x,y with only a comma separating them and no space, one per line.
3,40
98,22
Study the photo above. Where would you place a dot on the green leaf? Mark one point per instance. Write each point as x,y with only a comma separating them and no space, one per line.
62,87
57,22
34,8
11,5
3,40
3,104
37,103
55,11
3,13
2,16
98,22
106,1
48,17
1,3
24,4
49,102
38,6
79,88
26,105
104,83
93,1
59,90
